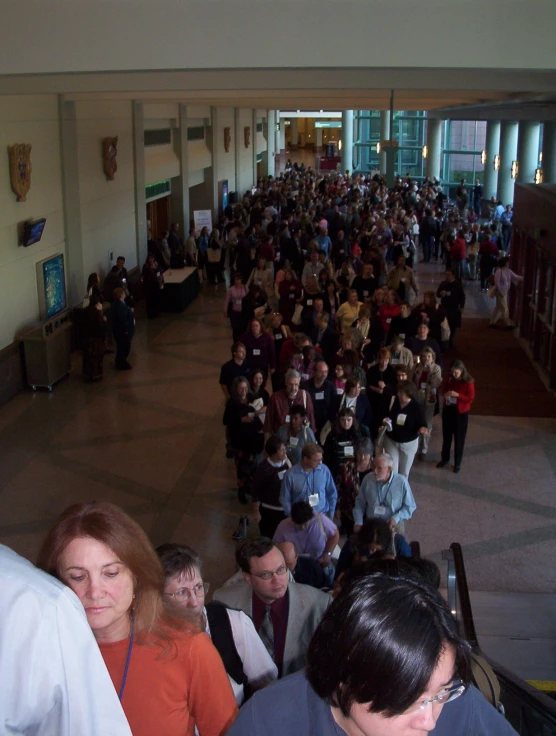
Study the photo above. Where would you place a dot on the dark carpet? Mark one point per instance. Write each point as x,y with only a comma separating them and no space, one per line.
506,383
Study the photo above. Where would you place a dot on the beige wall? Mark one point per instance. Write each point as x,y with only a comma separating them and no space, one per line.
226,161
245,154
87,35
31,120
107,207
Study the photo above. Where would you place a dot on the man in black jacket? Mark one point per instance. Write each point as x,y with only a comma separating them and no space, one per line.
452,298
427,231
325,337
123,327
323,394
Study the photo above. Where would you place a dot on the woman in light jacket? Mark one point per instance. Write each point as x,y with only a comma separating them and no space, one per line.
427,378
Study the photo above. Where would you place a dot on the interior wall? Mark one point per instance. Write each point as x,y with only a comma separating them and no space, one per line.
85,35
107,207
30,119
245,154
226,160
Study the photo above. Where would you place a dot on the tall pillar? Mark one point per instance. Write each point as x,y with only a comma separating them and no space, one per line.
385,119
212,182
139,170
268,159
318,139
282,135
528,150
364,137
549,152
277,125
254,144
293,133
347,141
434,129
508,153
75,270
492,149
180,185
238,147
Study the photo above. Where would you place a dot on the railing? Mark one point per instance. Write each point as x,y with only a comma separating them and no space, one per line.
530,712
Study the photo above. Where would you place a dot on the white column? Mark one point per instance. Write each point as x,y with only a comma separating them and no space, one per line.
75,271
213,145
277,121
549,152
282,135
268,168
508,153
139,169
384,136
434,128
347,141
492,149
254,144
293,133
528,150
238,147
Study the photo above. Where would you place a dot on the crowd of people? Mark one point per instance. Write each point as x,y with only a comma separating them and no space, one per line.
338,369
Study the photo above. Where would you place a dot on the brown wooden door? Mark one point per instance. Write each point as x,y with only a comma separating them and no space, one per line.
158,212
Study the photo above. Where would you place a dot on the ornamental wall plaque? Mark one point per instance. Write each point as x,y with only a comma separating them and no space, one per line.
247,136
109,156
227,139
20,169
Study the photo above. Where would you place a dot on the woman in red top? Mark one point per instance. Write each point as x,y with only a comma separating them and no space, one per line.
458,254
389,309
458,390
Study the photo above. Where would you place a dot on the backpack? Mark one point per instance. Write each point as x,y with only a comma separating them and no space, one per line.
222,638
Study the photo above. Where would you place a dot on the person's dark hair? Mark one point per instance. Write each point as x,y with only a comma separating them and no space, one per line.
178,560
350,357
120,258
351,383
235,385
380,642
298,409
427,569
374,531
93,280
258,547
503,262
459,365
237,275
273,444
302,512
346,412
236,346
408,387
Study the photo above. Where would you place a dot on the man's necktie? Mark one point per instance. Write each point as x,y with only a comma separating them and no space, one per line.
266,632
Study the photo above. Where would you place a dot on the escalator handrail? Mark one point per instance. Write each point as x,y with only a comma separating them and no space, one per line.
467,621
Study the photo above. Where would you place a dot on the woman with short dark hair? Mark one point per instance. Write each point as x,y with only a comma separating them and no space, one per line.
405,422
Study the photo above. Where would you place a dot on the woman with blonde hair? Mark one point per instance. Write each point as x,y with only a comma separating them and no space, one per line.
169,677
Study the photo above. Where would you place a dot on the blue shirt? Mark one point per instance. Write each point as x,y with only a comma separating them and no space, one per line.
324,243
390,500
298,484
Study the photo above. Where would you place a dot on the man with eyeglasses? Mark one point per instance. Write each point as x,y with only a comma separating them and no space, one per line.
285,614
247,662
386,660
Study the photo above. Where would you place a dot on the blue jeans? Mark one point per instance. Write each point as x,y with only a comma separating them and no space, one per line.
428,243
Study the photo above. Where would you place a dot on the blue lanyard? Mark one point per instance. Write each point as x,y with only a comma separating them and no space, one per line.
387,485
129,648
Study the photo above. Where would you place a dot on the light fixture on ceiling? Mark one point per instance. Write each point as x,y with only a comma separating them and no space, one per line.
321,112
378,147
514,171
483,157
298,112
424,151
340,144
497,163
538,176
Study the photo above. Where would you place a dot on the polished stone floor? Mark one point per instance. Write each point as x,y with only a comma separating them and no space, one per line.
152,440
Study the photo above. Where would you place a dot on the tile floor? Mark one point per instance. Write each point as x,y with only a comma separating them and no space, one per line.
151,440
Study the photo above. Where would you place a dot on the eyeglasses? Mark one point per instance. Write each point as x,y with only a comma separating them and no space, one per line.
268,574
185,594
446,696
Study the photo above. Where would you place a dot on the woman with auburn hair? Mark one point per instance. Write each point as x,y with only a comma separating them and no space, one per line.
169,677
458,392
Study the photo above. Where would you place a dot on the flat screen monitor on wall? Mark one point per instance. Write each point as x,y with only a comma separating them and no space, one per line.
32,231
51,283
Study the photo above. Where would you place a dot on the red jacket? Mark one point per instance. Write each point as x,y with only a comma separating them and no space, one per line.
465,390
457,251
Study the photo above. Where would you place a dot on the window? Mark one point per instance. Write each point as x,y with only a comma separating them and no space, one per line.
196,133
158,137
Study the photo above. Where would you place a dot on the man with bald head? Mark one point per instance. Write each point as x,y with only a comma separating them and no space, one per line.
305,570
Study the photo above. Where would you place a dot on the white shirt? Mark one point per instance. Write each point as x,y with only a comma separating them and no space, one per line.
54,681
257,663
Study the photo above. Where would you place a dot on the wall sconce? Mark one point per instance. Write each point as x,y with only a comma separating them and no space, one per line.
424,151
540,157
514,171
497,163
378,147
538,176
483,157
340,145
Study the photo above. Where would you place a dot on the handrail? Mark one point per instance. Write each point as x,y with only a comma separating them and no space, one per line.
530,711
458,593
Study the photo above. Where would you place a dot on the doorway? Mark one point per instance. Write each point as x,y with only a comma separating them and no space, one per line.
158,213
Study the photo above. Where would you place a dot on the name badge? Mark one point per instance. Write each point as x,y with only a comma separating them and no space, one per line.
304,376
381,512
293,442
424,385
319,396
287,419
292,296
388,320
309,302
400,419
451,400
278,336
256,351
447,293
394,361
281,474
366,293
339,391
238,302
342,251
402,334
314,499
348,451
